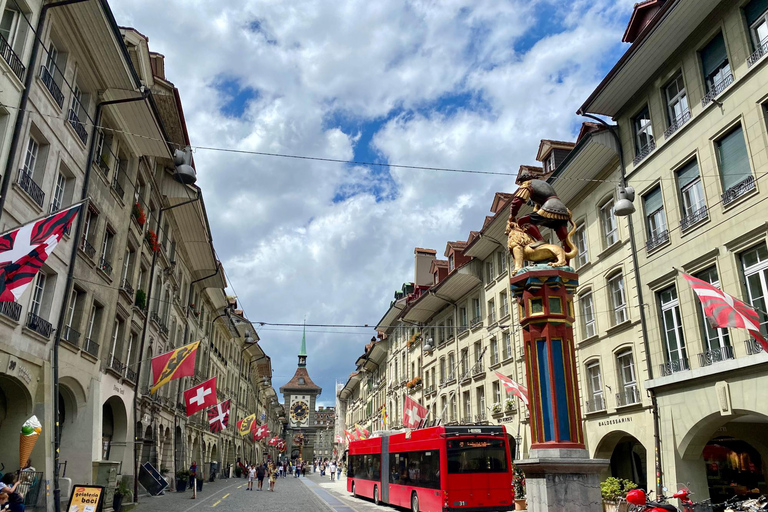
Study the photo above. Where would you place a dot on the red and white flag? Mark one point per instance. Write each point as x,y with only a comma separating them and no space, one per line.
201,396
723,310
339,440
413,413
218,416
513,387
350,436
261,433
273,441
24,250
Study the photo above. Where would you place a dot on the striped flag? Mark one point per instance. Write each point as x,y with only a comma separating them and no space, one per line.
513,387
723,310
174,365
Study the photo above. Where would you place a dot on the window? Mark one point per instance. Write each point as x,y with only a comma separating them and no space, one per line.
677,104
501,257
644,141
609,225
717,70
580,239
417,468
733,161
451,263
672,325
106,252
30,157
477,363
451,366
71,309
486,456
494,351
489,274
628,393
504,307
9,25
37,293
464,362
467,406
595,384
691,195
714,339
480,399
58,193
618,299
496,392
587,315
491,312
754,265
507,338
127,265
655,221
476,311
463,321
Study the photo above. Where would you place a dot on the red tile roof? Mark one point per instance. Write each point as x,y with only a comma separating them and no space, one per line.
293,384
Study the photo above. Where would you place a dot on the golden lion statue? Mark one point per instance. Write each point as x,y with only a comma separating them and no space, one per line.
523,248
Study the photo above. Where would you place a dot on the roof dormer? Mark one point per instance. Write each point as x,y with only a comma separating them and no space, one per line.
551,153
642,15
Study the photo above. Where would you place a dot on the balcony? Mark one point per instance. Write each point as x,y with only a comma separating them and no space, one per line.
644,152
481,417
503,310
76,125
678,365
656,240
71,336
676,123
126,287
105,266
476,322
478,370
115,364
715,355
11,309
87,248
716,89
492,317
461,330
630,396
597,404
155,318
12,59
52,86
39,325
118,188
91,347
29,186
761,50
694,217
753,347
738,190
130,374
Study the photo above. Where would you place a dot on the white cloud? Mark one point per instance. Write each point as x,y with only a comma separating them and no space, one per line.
289,249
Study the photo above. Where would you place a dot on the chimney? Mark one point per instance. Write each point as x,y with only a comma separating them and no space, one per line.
422,275
157,61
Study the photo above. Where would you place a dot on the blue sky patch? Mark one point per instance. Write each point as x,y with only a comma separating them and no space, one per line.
236,97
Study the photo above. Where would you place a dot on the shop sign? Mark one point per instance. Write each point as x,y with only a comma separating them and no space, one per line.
16,368
86,498
506,419
615,421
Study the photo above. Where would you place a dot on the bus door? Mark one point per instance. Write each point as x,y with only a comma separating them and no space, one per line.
384,490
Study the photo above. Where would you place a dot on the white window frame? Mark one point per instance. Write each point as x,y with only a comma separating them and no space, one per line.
491,311
126,263
760,270
754,30
714,338
626,366
71,309
503,305
674,349
618,296
489,273
677,103
494,351
609,224
643,129
582,258
13,30
38,291
595,380
507,337
655,221
502,259
58,192
30,157
587,306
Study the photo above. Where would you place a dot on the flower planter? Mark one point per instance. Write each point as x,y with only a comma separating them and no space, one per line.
181,484
521,504
615,506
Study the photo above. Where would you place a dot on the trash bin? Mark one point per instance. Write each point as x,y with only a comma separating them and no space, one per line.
213,471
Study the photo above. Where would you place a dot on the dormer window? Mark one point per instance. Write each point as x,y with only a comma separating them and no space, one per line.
451,263
302,381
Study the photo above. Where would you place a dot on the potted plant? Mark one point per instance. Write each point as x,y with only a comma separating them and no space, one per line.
509,404
199,479
141,299
518,481
138,214
238,472
182,477
121,493
614,491
496,408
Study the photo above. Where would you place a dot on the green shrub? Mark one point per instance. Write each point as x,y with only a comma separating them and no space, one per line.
614,489
141,299
518,480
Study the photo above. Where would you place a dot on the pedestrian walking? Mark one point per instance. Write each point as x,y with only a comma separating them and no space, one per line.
192,474
332,469
251,476
260,472
272,478
338,471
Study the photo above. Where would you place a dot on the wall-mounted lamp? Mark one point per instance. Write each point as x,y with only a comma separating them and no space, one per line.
624,206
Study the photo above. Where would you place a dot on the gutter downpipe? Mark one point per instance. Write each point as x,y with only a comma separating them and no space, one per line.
143,342
30,76
643,320
68,288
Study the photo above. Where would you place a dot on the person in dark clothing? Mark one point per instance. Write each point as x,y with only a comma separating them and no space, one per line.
260,476
8,486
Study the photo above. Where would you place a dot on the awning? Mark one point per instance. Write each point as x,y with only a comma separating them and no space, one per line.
458,283
142,126
591,156
491,238
349,388
387,322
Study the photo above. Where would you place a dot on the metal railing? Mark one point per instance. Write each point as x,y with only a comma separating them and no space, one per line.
71,336
476,322
91,347
657,240
503,310
761,50
692,218
29,186
74,121
30,483
716,355
52,86
717,89
11,58
738,190
596,404
678,365
753,347
644,152
630,395
130,374
39,325
127,288
105,266
115,364
87,248
481,417
677,122
118,188
492,316
478,369
10,309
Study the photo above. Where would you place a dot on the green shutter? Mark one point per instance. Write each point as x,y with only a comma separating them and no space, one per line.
652,201
713,55
688,173
754,10
733,159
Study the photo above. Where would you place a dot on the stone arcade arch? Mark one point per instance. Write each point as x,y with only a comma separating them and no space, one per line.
15,408
628,456
114,430
76,428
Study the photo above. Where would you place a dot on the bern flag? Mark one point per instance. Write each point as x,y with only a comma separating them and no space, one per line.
247,425
174,365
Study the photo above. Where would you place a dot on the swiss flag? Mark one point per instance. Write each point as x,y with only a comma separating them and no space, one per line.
273,441
513,387
413,413
261,433
201,396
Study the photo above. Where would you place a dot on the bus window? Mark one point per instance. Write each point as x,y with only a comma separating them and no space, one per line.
476,456
417,469
365,467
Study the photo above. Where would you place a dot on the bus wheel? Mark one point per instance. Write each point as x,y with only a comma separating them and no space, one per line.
414,502
353,490
375,495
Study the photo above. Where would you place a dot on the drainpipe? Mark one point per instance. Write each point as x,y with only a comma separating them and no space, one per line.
30,76
69,284
643,320
144,338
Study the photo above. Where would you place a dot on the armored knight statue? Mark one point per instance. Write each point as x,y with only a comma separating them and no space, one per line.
524,238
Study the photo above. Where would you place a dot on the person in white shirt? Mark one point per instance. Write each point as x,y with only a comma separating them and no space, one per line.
332,469
251,476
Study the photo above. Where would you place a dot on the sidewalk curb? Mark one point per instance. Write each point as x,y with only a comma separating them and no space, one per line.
327,498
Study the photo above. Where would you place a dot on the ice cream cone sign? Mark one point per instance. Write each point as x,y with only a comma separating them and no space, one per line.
30,432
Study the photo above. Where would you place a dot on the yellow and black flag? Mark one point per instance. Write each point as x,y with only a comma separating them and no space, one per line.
174,365
247,425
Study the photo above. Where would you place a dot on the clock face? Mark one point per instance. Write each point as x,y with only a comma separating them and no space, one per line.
299,411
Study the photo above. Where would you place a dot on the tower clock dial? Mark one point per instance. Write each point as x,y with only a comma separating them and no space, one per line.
299,411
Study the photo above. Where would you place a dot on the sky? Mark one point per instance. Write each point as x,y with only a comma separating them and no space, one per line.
461,84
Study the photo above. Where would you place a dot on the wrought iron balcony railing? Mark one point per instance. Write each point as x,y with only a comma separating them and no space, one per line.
39,325
71,336
10,309
87,248
644,152
105,266
127,288
630,395
716,355
492,317
676,123
678,365
481,417
29,186
738,190
476,322
753,347
462,329
115,364
656,240
11,58
52,86
74,121
694,217
596,404
716,89
761,50
118,188
130,374
91,347
479,369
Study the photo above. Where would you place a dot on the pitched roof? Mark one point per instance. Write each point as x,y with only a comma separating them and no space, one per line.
642,15
294,385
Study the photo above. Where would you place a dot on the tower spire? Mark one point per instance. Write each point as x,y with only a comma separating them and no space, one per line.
303,350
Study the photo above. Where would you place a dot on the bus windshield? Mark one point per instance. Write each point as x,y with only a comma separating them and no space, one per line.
477,456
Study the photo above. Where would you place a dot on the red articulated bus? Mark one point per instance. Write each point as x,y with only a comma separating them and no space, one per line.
437,469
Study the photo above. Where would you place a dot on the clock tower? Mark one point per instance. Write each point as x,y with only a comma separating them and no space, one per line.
300,396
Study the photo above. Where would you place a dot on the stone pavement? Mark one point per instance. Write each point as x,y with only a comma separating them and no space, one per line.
335,495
